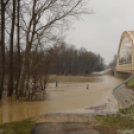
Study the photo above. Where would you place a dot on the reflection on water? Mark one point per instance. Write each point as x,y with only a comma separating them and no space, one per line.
67,97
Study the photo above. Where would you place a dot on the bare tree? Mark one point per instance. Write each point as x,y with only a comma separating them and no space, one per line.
10,83
44,19
72,61
18,44
35,26
3,4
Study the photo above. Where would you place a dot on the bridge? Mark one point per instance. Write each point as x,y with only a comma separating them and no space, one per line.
125,68
125,56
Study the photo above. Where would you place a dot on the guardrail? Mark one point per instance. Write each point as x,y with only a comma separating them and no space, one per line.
123,83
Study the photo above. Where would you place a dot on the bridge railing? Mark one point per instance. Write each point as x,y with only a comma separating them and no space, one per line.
123,83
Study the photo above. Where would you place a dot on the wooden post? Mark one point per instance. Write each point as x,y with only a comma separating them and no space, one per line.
87,86
56,83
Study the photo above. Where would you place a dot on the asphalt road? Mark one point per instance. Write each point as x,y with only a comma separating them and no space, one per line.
63,128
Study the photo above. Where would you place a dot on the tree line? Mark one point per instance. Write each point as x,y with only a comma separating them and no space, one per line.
71,61
27,29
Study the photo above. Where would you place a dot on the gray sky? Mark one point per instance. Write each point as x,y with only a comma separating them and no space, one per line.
100,32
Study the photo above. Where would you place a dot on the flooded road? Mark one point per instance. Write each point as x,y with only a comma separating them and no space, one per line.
68,97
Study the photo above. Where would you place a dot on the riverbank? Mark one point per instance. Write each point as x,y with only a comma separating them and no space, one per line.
68,97
82,101
18,127
120,123
130,83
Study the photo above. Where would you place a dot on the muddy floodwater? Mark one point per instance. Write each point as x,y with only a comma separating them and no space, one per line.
68,97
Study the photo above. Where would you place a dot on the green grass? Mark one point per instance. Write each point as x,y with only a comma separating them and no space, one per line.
18,127
108,124
112,124
122,122
130,83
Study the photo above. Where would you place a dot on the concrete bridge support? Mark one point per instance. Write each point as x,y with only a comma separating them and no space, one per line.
122,74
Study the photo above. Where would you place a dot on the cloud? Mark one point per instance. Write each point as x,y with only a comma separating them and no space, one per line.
101,31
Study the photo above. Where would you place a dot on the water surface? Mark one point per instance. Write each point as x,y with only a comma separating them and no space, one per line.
68,97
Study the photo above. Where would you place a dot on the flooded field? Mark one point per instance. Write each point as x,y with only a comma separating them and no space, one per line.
71,97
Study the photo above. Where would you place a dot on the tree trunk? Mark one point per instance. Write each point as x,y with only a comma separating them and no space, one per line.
2,47
24,70
10,82
18,44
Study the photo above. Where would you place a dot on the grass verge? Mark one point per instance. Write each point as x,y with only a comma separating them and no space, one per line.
18,127
121,123
130,83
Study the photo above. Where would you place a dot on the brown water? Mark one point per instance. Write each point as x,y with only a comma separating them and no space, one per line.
66,98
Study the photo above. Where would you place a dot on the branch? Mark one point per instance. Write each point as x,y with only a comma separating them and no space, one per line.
23,20
56,19
6,3
32,19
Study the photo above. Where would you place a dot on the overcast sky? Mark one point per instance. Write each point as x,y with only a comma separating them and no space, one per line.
101,31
